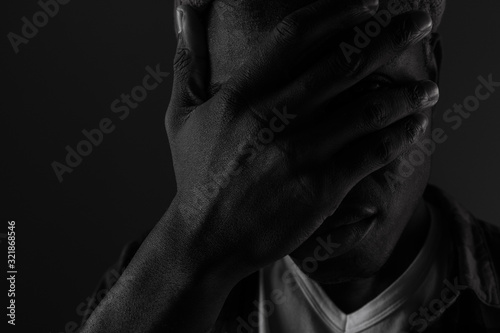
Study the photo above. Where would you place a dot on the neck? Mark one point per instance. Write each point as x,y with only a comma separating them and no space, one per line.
351,296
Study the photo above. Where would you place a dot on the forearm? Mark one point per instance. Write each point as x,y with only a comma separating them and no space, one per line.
166,287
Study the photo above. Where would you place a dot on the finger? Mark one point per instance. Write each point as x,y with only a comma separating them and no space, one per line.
377,150
337,72
304,31
296,35
348,167
191,60
378,110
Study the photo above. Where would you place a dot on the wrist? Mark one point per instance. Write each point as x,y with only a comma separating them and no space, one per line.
184,235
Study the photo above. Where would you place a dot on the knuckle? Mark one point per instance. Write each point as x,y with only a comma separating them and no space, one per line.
287,30
402,36
415,96
347,67
181,61
375,115
399,41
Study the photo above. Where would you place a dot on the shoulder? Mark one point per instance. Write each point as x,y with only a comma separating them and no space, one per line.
476,246
491,234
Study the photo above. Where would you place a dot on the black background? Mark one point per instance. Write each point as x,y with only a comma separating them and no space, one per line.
64,81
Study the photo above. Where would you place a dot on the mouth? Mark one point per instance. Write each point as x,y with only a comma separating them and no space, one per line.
348,234
348,227
348,215
344,230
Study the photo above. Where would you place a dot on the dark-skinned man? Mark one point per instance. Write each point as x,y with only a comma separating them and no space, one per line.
290,122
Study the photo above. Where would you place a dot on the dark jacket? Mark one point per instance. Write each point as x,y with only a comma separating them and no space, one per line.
472,307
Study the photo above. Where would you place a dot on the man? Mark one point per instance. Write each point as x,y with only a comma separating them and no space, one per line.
292,124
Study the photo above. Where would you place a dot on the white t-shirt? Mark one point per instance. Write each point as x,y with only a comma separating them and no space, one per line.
290,302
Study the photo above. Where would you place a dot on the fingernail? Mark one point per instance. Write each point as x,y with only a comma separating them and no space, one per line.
431,90
424,122
179,19
371,5
422,21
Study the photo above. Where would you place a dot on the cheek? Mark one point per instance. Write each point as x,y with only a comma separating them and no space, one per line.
419,155
411,170
409,173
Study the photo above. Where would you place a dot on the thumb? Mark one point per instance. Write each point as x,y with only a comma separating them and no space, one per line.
191,59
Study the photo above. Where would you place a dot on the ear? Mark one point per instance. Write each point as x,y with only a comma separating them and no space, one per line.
436,57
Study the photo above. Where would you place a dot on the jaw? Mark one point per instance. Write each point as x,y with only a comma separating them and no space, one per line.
401,220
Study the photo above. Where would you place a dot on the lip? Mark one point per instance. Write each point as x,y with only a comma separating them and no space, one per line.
352,227
345,226
345,234
347,215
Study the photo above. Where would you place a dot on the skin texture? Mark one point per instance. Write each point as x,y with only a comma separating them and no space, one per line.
265,201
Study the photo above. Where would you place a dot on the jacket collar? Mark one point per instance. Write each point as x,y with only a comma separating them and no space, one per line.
476,266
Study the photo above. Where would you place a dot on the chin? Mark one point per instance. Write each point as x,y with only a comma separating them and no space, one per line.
360,262
348,268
